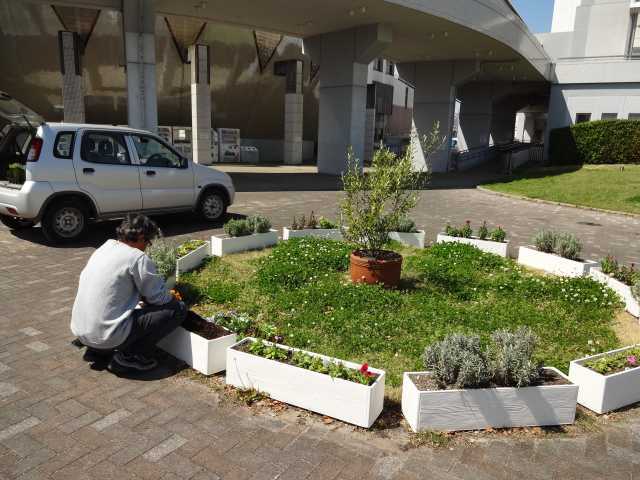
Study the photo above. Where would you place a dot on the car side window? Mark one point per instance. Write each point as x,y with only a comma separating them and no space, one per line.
153,153
63,146
105,147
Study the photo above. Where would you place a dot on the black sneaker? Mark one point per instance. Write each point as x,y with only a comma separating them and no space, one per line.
135,362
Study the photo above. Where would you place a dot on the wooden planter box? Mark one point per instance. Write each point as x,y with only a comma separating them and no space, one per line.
347,401
415,239
193,259
551,263
604,393
631,304
224,245
497,248
205,356
326,233
476,409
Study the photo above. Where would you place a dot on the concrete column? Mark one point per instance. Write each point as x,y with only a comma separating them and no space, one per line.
200,103
72,84
370,123
476,113
344,57
434,101
140,55
293,114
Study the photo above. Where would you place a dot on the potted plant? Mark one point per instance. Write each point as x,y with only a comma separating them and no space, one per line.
202,343
490,241
342,390
164,256
468,387
312,227
252,233
374,204
621,279
557,253
406,233
190,255
608,381
16,173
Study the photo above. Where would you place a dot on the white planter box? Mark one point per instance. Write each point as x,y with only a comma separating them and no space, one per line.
497,248
552,263
415,239
206,356
193,259
326,233
603,393
224,245
347,401
631,304
475,409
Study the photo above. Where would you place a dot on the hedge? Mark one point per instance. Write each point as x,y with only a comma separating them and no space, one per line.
599,142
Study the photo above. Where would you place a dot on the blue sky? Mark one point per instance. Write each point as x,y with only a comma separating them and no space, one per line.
537,13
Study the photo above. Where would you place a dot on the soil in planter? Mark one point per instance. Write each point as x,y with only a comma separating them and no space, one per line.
383,255
196,324
427,383
244,347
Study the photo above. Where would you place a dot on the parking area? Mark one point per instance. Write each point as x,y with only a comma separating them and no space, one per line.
61,419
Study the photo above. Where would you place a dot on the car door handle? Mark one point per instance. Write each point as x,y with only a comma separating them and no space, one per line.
88,171
151,173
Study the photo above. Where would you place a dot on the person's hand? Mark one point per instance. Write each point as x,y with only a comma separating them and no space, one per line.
176,294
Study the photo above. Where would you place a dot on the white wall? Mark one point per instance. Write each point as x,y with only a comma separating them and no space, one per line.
564,14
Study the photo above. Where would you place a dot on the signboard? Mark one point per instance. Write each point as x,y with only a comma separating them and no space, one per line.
229,141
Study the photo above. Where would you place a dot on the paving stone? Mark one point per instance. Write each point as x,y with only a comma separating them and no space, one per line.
111,419
38,346
30,331
7,389
165,448
17,428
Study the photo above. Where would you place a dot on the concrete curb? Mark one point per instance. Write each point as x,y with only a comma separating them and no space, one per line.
561,204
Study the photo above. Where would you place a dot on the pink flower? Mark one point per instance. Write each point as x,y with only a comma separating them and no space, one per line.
632,360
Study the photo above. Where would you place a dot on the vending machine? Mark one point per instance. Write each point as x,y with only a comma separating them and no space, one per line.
229,144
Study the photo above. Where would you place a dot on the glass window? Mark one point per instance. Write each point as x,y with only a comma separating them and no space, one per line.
609,116
153,153
634,116
583,117
391,69
378,65
63,146
105,147
634,44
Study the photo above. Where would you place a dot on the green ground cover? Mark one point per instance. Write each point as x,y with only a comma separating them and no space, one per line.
300,290
601,186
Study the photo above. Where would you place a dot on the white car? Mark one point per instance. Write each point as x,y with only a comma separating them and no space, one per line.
78,173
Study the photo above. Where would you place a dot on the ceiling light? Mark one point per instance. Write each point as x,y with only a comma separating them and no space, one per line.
363,9
446,34
351,13
491,53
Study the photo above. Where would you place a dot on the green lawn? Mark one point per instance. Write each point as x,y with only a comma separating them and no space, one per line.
600,186
300,290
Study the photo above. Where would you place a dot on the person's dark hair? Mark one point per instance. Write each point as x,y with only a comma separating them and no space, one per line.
133,226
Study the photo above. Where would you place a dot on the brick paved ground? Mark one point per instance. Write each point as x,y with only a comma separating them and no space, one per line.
61,419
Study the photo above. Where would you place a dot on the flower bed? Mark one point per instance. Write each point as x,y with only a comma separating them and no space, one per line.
608,381
631,304
190,255
489,246
555,264
412,239
326,233
200,344
354,394
474,409
252,233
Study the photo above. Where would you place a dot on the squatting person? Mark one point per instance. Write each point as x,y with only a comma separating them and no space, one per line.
123,303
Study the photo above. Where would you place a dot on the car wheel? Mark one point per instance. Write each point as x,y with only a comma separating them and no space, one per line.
64,221
15,223
212,206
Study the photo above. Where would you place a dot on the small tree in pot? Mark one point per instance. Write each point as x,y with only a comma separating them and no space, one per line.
376,202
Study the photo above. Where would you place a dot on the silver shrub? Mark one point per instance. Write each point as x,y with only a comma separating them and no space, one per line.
512,358
545,241
458,361
568,246
164,255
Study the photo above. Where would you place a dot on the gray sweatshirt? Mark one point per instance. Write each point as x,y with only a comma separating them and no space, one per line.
111,285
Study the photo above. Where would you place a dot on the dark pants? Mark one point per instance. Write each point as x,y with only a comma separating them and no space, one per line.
150,324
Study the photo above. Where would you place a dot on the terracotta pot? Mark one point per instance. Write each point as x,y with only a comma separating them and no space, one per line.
370,270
